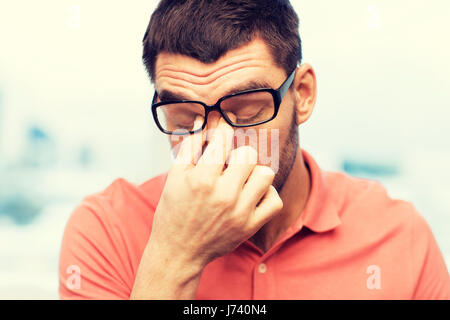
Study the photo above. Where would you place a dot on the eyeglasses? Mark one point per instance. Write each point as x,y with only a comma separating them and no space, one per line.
250,108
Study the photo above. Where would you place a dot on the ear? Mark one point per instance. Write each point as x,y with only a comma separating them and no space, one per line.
305,92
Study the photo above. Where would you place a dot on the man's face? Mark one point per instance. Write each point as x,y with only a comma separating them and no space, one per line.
193,80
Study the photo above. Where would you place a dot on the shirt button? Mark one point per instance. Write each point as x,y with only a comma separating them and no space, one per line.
262,268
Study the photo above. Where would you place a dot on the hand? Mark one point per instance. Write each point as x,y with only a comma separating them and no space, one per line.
206,211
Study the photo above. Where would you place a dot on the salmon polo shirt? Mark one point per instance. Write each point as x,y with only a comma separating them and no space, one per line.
352,241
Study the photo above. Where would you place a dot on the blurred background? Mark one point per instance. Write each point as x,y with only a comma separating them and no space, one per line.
74,112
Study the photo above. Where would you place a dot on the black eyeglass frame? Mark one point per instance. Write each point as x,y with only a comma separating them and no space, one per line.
277,94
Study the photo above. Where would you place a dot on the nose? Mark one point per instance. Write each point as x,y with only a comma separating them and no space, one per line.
213,120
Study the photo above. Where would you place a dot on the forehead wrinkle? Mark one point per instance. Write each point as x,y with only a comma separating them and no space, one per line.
172,65
257,49
180,74
220,65
178,87
199,81
183,88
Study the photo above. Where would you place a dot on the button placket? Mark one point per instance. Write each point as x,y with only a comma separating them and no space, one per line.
262,268
262,281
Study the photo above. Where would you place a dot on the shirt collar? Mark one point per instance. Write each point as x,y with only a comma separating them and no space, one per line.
321,212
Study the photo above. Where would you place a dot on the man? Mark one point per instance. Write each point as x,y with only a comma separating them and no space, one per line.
225,222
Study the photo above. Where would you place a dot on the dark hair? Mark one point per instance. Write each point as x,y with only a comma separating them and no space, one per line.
207,29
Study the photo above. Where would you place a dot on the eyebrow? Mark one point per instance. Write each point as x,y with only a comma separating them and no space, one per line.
167,95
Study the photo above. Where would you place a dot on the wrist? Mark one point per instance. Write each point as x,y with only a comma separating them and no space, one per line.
175,251
178,260
166,274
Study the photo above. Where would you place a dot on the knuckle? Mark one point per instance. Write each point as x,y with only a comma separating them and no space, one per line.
224,201
241,215
228,197
278,206
203,185
245,155
251,228
199,184
240,220
229,194
250,151
277,203
264,173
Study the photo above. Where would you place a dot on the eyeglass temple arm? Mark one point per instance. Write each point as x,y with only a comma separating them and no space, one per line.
287,84
155,96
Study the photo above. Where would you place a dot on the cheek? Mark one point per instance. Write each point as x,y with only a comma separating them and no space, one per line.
279,128
274,142
269,140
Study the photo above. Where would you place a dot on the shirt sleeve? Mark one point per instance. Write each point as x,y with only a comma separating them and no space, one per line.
89,264
428,264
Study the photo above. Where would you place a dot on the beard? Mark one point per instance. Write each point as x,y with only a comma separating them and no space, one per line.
288,153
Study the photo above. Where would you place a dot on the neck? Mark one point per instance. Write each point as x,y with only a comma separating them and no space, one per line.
294,194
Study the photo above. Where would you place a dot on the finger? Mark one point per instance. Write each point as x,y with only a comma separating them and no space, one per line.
191,146
257,185
270,205
213,158
241,163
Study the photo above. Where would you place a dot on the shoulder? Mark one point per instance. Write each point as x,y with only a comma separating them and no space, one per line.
123,209
108,231
123,199
368,201
390,232
368,213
